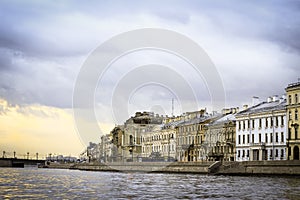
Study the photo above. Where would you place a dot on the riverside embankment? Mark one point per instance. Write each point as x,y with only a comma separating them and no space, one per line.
287,167
217,168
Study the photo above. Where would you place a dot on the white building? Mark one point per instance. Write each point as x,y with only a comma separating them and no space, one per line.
261,131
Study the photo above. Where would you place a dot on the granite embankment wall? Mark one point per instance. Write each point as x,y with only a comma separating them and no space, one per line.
216,168
60,165
289,167
5,163
174,167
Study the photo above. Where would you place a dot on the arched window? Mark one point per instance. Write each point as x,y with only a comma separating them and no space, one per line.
296,114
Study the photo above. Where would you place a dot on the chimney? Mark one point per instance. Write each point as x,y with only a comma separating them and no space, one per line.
255,100
275,98
234,110
245,106
269,99
283,97
225,111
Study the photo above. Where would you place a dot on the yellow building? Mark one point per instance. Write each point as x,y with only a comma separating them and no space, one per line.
293,108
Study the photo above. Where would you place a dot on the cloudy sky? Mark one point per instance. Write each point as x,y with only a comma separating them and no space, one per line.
254,46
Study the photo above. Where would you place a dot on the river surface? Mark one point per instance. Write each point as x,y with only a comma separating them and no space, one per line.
34,183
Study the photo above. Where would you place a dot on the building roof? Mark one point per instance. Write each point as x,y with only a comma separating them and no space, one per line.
224,119
197,120
265,107
293,85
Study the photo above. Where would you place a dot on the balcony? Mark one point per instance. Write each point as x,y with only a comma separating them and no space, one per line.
261,145
215,154
187,146
230,142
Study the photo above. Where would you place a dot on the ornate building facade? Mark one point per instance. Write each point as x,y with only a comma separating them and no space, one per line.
191,136
220,137
293,109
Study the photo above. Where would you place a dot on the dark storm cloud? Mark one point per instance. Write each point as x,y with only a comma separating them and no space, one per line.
43,44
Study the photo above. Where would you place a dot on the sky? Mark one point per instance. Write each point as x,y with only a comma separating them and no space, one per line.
44,45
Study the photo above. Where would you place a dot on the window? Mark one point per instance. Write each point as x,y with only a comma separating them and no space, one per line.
296,98
131,139
248,138
290,99
239,153
244,125
282,137
276,153
266,138
243,155
290,115
253,124
276,121
239,125
252,138
276,137
271,137
259,138
247,153
239,139
296,114
289,133
267,122
259,121
248,123
282,154
271,121
243,139
282,121
296,133
271,153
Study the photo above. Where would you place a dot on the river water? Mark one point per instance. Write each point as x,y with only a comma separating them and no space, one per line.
34,183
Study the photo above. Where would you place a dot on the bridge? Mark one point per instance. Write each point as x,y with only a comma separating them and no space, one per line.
16,162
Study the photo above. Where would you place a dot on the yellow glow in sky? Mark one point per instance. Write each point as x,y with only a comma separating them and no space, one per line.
38,129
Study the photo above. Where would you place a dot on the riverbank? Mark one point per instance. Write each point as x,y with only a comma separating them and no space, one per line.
216,168
281,167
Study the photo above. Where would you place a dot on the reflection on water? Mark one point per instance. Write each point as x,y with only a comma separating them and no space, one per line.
33,183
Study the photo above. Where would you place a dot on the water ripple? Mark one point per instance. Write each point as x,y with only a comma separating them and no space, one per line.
33,183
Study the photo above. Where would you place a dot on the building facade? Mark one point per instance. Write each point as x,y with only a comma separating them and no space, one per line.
261,131
293,109
159,144
190,136
220,137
